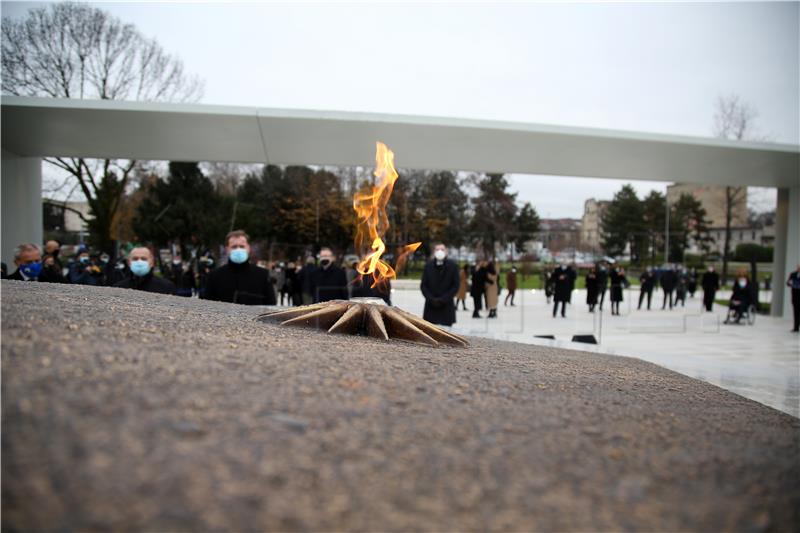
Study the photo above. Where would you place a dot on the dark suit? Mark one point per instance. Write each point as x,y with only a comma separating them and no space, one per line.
710,283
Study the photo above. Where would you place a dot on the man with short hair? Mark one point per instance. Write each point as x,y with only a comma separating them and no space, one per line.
28,258
329,282
140,263
238,281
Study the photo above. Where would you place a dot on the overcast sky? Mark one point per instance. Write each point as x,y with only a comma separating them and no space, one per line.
632,66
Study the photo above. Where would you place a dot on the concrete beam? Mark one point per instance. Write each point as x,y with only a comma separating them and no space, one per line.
787,248
112,129
21,191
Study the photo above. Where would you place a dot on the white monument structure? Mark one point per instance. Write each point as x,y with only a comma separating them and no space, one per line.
34,128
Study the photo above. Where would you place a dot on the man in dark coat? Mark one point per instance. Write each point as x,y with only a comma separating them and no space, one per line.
563,279
668,280
140,262
477,289
648,282
182,275
28,258
328,282
305,282
591,288
602,283
238,281
439,286
741,298
794,283
710,284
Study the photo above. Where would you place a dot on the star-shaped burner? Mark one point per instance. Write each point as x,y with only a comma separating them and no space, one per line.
370,316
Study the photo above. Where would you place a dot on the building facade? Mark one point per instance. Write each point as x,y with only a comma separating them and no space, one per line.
591,234
713,199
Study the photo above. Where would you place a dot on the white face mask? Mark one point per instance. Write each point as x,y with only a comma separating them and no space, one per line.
439,255
742,282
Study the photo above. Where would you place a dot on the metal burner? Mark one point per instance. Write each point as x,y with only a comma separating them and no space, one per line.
366,316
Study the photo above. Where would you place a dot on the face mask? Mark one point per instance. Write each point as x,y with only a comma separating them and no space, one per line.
104,258
238,255
176,262
31,270
140,267
55,253
325,262
742,282
84,260
514,270
439,255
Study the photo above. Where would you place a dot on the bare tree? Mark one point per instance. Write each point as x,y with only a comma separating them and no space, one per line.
733,119
72,50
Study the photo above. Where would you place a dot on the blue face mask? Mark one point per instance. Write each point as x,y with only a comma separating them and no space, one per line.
84,259
140,267
31,270
238,255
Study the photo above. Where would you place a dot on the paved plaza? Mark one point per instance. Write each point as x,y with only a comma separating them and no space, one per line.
125,410
760,362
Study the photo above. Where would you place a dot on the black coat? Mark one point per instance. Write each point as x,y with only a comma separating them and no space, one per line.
742,294
602,280
305,279
478,283
794,283
183,280
329,284
439,286
710,281
241,284
147,283
591,288
618,282
648,281
668,280
563,282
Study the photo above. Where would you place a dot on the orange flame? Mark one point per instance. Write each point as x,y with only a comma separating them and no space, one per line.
373,222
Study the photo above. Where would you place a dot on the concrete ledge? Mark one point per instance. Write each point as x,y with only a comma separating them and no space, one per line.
128,410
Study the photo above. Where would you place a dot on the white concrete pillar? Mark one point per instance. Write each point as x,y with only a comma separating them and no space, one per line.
21,194
787,249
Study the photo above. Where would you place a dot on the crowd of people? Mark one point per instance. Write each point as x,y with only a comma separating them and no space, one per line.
318,279
241,279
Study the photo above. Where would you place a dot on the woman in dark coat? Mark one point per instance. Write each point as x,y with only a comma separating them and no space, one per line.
618,282
591,289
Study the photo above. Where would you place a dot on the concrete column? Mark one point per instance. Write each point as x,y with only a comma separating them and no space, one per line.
21,194
787,249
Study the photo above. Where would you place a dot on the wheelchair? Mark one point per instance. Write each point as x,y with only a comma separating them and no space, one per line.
748,316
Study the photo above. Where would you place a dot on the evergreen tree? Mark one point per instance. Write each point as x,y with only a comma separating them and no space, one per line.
495,211
527,224
441,206
623,225
654,208
687,220
184,207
